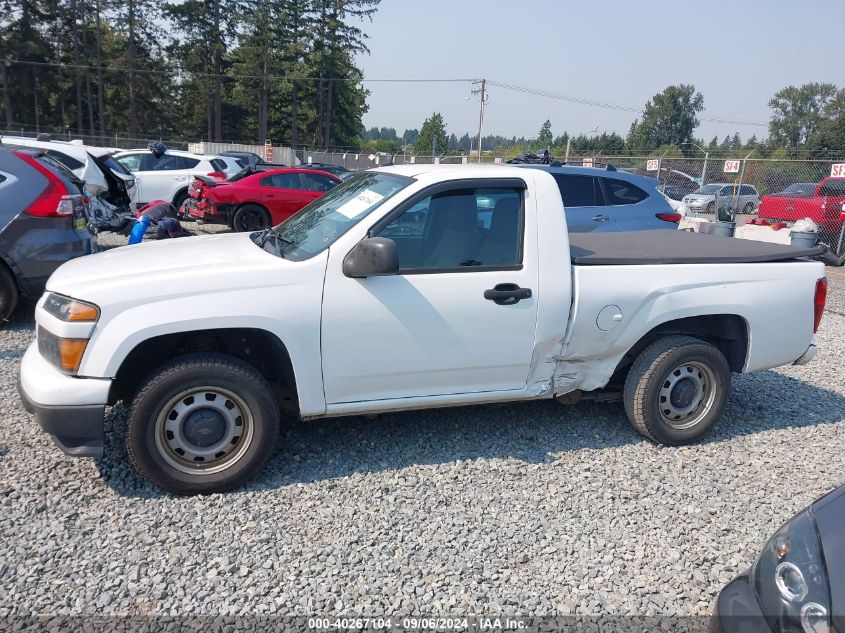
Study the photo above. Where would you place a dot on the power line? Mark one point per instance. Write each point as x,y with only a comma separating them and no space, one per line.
175,69
606,104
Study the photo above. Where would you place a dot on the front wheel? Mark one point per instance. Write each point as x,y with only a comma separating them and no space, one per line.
201,424
250,217
748,209
676,389
711,207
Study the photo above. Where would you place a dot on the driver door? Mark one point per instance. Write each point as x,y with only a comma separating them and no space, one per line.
429,330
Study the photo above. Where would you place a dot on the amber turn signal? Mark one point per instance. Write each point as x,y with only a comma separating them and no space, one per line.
71,351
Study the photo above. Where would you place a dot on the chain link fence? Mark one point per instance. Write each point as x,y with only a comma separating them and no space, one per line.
787,190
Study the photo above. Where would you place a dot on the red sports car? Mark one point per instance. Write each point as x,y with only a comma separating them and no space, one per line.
262,199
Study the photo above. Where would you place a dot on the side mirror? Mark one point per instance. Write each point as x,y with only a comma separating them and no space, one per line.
371,257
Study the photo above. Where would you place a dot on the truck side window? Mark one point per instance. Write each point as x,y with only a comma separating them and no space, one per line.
458,229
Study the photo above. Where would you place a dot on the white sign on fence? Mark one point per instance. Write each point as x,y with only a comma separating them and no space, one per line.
436,160
652,165
838,170
372,157
413,159
587,162
310,160
464,160
498,160
731,167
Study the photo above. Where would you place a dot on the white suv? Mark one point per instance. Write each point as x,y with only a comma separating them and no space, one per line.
168,177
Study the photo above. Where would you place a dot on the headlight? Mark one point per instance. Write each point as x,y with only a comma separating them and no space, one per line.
68,309
790,579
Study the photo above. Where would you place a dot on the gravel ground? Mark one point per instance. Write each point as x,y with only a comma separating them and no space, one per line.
530,509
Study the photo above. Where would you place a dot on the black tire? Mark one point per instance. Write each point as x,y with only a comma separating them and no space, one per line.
181,385
179,198
250,217
9,293
748,209
678,363
711,207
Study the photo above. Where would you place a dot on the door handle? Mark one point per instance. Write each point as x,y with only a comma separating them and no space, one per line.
507,294
600,218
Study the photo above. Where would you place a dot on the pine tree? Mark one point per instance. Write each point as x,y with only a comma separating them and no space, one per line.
544,136
432,136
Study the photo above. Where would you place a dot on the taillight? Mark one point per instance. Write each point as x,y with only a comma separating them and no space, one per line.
217,174
818,303
55,200
669,217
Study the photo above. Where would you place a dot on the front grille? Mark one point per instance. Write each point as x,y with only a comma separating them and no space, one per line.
48,347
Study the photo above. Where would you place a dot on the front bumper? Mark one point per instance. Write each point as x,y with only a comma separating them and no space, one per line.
737,610
70,409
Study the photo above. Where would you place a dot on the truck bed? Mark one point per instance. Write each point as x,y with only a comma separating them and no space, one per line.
676,247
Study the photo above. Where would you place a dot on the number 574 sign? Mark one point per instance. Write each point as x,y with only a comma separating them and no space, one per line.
731,167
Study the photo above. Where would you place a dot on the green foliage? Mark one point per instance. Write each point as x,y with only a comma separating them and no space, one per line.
189,68
544,136
669,118
432,128
798,113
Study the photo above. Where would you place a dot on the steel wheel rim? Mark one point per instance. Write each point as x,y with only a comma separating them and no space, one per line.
177,429
252,221
686,395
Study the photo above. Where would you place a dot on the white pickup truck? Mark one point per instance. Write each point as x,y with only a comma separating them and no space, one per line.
404,288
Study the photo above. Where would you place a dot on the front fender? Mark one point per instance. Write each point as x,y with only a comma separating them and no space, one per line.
118,334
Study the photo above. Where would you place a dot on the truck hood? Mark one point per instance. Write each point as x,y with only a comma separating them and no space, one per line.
171,266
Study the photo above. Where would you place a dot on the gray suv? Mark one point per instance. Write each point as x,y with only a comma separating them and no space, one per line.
739,198
43,223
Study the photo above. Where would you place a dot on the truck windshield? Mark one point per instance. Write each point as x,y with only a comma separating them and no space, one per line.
319,224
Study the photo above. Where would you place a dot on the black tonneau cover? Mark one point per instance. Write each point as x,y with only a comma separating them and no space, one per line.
676,247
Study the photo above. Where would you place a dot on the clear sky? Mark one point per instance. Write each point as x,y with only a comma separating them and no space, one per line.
737,54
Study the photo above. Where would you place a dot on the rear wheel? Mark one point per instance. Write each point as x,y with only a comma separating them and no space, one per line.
676,389
711,207
748,209
8,293
201,424
251,217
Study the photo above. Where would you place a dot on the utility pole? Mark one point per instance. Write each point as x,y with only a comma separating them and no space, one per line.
482,95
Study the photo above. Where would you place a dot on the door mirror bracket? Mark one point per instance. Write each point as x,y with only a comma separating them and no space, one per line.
371,257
